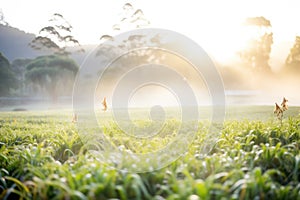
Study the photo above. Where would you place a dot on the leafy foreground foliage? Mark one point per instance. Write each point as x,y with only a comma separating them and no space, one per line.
40,158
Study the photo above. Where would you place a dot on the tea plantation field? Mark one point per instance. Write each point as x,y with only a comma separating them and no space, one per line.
254,157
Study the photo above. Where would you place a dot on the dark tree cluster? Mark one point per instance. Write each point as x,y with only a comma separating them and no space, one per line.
50,75
8,80
53,74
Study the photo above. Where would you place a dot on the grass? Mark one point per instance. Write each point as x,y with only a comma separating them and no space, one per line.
255,157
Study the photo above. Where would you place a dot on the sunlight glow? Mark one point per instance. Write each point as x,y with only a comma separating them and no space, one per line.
215,25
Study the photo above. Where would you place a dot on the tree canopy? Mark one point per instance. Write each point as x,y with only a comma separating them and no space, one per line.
56,37
130,18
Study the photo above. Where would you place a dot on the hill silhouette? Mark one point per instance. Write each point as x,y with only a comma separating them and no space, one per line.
14,44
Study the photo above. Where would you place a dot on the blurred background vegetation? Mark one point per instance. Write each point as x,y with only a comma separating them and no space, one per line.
45,65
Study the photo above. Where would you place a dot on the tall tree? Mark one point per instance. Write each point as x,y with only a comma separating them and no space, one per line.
56,71
130,18
293,60
53,74
57,36
257,54
7,77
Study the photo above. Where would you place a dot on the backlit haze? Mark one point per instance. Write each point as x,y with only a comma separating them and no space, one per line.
215,25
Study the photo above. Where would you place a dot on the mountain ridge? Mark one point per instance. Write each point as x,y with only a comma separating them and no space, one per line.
14,44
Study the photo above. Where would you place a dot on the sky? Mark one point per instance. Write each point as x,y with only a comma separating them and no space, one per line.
216,25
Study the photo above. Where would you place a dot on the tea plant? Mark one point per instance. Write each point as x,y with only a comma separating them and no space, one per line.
41,157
